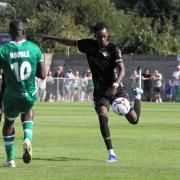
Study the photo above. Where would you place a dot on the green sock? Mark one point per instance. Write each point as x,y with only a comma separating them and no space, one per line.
27,128
9,146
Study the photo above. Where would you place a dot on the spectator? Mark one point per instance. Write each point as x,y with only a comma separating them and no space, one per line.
169,90
41,83
90,86
157,85
59,82
147,82
69,85
49,87
84,81
76,86
176,83
134,77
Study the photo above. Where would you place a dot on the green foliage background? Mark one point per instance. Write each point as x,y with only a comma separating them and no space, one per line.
138,26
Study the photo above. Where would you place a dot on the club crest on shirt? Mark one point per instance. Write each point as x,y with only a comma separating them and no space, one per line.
105,53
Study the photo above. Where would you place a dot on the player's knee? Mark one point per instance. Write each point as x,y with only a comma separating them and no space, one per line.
8,127
132,118
134,121
103,120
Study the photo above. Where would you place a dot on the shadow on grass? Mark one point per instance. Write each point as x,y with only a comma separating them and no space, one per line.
53,159
58,159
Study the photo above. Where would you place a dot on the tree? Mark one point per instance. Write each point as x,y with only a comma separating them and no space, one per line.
138,26
18,9
155,9
53,23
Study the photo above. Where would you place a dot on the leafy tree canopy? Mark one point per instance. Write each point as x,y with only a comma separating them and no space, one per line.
138,26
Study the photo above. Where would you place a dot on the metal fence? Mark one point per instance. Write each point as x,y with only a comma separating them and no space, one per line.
65,89
69,90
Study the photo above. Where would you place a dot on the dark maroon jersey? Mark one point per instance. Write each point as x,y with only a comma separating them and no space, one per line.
102,61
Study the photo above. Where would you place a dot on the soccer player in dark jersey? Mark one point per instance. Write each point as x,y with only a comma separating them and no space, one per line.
103,58
21,61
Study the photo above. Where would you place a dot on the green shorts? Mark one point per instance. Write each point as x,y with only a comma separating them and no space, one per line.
17,103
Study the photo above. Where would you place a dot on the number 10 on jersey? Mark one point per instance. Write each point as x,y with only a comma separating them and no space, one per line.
23,71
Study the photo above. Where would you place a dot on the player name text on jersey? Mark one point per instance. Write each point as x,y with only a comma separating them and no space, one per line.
21,54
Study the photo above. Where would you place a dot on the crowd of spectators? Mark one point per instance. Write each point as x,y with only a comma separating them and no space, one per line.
72,86
66,86
154,85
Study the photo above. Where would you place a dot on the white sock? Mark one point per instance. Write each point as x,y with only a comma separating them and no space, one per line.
138,96
111,152
160,100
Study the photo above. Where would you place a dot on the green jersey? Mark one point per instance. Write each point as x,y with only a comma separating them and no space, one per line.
19,62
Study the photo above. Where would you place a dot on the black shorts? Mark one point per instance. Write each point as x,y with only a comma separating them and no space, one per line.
157,89
101,100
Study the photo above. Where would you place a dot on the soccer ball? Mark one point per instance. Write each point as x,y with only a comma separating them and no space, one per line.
121,106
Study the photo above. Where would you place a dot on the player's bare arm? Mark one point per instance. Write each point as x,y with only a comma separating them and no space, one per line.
121,70
62,40
113,90
41,72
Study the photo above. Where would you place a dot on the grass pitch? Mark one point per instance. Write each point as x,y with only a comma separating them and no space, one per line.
67,145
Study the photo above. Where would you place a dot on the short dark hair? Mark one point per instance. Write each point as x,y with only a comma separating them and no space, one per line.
16,28
97,27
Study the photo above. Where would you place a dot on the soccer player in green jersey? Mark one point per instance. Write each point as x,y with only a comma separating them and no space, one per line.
21,61
1,96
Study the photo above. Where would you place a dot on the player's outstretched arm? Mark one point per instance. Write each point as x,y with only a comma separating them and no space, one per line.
62,40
